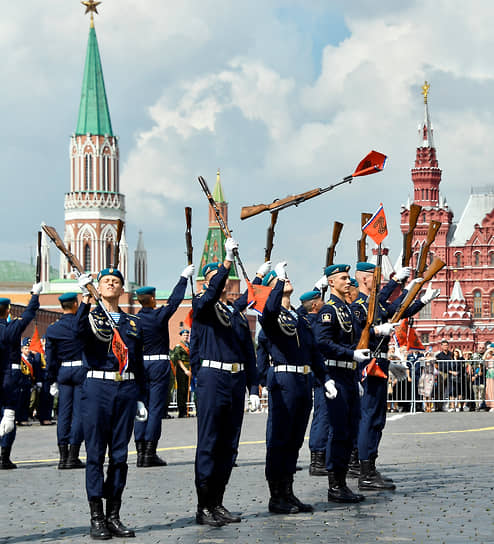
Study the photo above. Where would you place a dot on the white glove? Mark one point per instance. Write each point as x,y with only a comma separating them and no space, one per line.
280,270
264,269
230,245
399,370
430,294
54,389
361,355
254,402
385,329
188,271
331,390
361,391
36,288
39,385
403,273
412,283
264,392
8,421
142,413
83,281
322,283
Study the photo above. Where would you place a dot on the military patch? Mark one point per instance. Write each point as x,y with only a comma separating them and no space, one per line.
357,314
326,318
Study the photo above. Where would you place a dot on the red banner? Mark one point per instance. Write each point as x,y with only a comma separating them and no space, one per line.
35,344
121,351
257,295
377,227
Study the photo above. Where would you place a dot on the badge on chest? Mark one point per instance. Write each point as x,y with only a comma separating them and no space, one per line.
223,314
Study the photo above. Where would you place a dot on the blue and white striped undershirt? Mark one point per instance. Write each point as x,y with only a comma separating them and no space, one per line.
115,316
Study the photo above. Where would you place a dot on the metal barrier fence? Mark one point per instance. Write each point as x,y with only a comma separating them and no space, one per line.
443,385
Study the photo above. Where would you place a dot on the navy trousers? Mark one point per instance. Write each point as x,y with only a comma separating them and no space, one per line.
290,403
344,415
108,411
45,403
318,437
220,409
157,382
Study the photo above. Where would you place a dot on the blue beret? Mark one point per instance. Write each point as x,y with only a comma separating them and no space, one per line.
310,295
365,267
146,291
268,277
207,268
184,330
25,341
336,269
111,272
5,301
353,282
68,297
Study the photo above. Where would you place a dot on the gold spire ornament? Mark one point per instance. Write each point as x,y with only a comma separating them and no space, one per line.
425,91
91,7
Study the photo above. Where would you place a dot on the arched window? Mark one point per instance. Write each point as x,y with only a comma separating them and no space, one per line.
106,173
88,159
427,194
491,258
109,254
423,216
422,194
458,260
491,304
477,304
476,258
87,257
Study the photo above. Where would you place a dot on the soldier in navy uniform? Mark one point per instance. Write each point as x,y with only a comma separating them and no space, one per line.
13,378
218,361
7,397
65,373
293,351
335,337
44,407
112,397
154,325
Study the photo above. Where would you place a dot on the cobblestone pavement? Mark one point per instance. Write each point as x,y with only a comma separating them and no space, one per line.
443,464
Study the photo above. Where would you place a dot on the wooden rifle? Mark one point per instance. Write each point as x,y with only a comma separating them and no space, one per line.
361,244
270,237
116,251
413,217
434,227
372,303
38,259
188,241
330,252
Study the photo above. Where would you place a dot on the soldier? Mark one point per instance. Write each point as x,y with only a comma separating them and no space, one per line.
66,374
13,378
293,351
111,400
154,325
44,407
335,337
217,359
180,357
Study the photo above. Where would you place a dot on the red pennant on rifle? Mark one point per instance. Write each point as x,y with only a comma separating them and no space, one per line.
121,351
413,341
373,162
35,344
373,369
257,295
188,319
377,227
401,333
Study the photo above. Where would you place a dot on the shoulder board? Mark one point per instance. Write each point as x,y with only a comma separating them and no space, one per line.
331,302
360,301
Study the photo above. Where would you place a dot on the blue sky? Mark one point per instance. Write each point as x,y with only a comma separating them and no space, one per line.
283,96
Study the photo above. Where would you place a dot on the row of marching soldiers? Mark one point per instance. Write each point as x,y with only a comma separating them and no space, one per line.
312,347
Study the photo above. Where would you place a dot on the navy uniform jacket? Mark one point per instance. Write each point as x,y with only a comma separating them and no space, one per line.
62,343
290,339
263,357
154,321
334,330
98,355
213,336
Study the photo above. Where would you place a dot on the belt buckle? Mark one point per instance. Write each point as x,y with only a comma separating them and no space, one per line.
235,367
118,377
306,369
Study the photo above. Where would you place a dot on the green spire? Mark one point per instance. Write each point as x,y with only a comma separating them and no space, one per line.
214,252
218,189
94,115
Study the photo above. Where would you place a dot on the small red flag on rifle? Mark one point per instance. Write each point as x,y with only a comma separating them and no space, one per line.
257,297
121,351
377,227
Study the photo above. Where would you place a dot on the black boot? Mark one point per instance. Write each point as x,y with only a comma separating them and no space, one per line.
150,459
317,465
354,464
5,462
115,526
205,514
64,454
292,499
373,467
73,460
140,452
370,479
338,490
219,511
278,503
99,530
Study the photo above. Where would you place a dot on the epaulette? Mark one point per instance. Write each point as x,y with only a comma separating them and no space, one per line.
331,302
360,301
133,316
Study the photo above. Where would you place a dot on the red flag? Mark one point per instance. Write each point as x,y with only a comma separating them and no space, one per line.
413,341
377,228
121,351
373,162
401,333
188,319
373,369
36,344
406,336
257,295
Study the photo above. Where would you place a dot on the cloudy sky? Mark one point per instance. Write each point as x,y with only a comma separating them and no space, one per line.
281,95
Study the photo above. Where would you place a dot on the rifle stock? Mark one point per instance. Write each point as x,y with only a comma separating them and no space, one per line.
361,244
38,259
371,309
270,237
434,227
337,228
292,200
413,217
433,269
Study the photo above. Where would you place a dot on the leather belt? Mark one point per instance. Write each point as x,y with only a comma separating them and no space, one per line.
350,365
158,357
72,363
229,367
15,366
292,368
110,375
